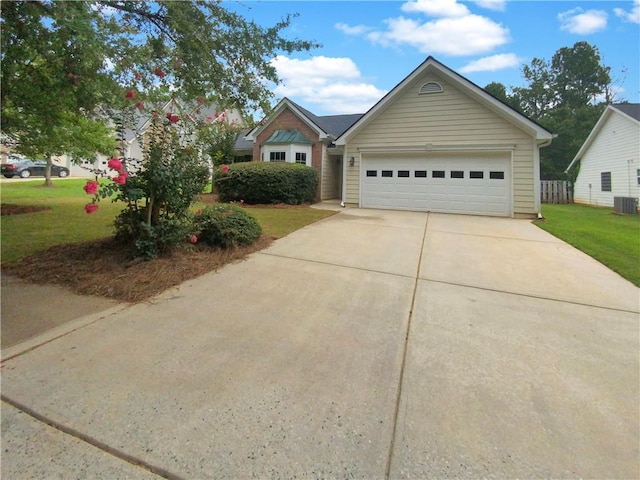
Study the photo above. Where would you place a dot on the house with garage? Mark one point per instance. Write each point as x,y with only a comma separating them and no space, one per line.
436,142
608,161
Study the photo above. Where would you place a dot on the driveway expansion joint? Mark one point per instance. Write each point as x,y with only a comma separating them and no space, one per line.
405,348
114,452
335,265
529,295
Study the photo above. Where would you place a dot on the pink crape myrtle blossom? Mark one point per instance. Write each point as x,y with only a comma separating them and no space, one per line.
140,105
173,118
130,94
121,179
115,164
159,72
193,239
90,207
91,187
225,168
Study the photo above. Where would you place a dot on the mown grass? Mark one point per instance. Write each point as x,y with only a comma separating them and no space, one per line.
613,240
66,222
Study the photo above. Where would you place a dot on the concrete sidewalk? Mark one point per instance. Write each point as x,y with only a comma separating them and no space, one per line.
372,344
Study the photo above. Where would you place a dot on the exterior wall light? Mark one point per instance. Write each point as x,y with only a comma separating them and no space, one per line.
352,161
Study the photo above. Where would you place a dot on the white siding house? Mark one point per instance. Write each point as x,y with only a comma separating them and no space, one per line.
609,158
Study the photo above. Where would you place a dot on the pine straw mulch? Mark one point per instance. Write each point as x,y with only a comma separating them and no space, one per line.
102,268
10,209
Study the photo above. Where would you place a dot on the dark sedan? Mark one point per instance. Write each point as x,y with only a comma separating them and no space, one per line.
28,168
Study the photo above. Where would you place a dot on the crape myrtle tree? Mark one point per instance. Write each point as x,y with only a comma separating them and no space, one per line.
65,66
566,95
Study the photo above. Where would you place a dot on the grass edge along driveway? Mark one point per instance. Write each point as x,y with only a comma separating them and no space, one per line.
613,240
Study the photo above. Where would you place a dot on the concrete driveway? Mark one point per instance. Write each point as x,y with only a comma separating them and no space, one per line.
369,345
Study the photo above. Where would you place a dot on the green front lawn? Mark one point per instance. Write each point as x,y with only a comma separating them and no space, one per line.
613,240
67,222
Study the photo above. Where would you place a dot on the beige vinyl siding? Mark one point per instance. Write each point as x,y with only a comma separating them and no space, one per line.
450,118
329,176
615,149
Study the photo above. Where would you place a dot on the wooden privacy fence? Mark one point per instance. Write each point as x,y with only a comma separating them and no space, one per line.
555,191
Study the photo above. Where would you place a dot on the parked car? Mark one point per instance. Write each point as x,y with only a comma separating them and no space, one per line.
28,168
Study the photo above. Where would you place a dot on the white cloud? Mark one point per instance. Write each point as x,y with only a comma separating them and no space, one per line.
333,84
583,23
436,8
493,63
467,35
633,16
498,5
352,30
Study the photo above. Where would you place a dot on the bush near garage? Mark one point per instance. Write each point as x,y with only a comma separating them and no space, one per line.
226,226
264,183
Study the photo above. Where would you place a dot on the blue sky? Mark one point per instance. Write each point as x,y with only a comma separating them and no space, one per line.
368,47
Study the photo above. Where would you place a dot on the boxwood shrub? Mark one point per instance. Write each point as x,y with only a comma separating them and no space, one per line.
225,226
264,182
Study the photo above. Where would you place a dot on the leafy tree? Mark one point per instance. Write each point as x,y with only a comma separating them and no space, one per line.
64,64
53,80
565,95
218,139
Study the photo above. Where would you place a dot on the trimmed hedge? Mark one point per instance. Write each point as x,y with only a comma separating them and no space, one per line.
226,226
265,182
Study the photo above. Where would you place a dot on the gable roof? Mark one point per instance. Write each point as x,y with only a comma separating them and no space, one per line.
327,126
483,97
143,119
630,111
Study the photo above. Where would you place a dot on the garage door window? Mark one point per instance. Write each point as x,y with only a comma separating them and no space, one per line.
496,175
423,174
457,174
387,173
473,174
372,173
403,173
437,174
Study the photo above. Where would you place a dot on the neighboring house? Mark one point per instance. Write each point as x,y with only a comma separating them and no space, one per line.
609,158
436,142
135,137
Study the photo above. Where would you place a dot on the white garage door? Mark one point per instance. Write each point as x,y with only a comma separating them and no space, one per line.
470,184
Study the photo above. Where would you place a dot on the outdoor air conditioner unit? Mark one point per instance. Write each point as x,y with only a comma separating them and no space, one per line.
625,205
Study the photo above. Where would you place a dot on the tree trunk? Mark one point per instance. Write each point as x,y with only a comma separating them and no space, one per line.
47,172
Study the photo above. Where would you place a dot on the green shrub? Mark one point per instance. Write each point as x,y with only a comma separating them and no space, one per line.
264,182
226,226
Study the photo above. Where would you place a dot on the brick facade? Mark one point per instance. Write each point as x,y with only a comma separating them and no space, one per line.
287,120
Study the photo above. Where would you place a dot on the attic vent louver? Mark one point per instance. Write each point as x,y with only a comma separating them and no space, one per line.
431,87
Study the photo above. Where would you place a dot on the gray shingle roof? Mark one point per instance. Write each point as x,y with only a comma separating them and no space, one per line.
334,125
242,143
631,109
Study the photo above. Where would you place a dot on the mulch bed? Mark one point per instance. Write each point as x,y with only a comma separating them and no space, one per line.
102,268
10,209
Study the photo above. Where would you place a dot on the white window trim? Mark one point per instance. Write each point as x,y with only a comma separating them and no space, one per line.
290,152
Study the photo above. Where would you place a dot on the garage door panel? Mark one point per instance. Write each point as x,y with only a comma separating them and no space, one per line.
479,185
